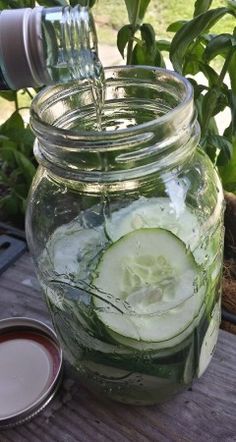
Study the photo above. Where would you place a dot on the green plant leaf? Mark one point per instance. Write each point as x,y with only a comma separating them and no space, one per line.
21,190
13,176
4,4
226,149
228,132
209,73
228,172
212,126
216,99
14,123
193,58
222,103
192,29
232,75
132,7
201,6
123,36
232,5
3,138
218,148
15,131
208,107
142,56
219,45
198,88
10,204
3,179
205,38
176,25
210,149
89,3
163,45
15,4
143,8
7,154
27,141
52,3
191,66
8,95
27,168
148,35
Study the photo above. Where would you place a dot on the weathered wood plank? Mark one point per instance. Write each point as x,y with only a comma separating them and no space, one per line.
206,413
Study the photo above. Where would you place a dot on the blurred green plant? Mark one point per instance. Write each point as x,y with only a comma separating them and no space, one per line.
193,49
17,163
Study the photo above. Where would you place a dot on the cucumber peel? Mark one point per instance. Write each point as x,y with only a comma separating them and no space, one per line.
152,213
155,275
160,212
210,339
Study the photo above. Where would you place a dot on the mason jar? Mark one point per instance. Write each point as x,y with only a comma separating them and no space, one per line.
125,225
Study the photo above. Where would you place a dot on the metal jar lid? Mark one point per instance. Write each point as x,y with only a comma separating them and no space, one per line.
30,369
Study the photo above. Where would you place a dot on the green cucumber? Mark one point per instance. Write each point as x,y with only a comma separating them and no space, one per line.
152,213
172,345
155,275
71,255
161,213
73,250
210,339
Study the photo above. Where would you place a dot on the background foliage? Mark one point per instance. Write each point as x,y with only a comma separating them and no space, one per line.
112,15
195,48
200,44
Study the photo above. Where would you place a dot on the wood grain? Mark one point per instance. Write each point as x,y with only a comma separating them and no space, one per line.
205,413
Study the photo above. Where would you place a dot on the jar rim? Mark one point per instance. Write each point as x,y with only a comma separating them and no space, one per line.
74,133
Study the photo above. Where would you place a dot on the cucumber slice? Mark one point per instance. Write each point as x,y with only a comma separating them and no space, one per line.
155,275
160,213
171,346
210,340
71,255
71,250
153,213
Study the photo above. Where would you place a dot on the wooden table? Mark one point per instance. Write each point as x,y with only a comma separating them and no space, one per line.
207,412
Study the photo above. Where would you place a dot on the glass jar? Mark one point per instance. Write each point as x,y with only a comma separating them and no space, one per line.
126,229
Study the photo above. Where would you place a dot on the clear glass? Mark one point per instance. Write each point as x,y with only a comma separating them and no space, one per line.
126,229
50,45
70,44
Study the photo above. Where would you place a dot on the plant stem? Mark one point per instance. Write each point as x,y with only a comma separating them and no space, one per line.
225,66
16,101
231,71
129,51
134,29
23,108
219,85
29,93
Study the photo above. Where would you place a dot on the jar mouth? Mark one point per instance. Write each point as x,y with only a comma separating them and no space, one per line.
148,114
41,104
